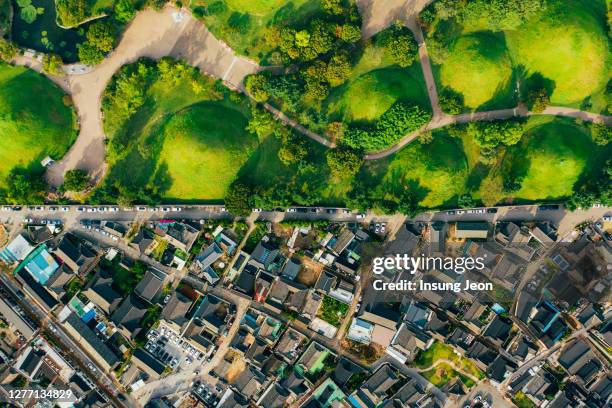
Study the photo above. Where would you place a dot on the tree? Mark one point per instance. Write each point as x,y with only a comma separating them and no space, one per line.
71,12
8,50
238,199
349,33
601,134
426,137
89,55
53,64
125,11
489,135
343,162
465,201
302,38
256,86
293,150
101,36
262,123
451,101
332,6
338,69
400,45
76,180
23,187
538,100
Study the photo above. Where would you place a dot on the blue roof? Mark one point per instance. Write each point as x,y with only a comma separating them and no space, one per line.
88,316
41,265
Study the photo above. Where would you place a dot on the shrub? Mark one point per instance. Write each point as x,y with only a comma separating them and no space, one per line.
76,180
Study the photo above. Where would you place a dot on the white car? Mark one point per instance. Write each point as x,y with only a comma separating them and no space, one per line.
222,209
291,210
103,209
257,210
166,209
52,209
141,208
177,209
7,208
459,212
91,209
113,209
360,216
607,218
65,209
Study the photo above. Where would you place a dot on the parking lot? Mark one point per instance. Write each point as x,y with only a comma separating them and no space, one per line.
171,349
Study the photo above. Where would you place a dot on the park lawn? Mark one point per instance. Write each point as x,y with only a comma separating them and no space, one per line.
522,401
204,154
440,351
369,95
479,68
443,373
242,23
568,45
437,171
552,157
35,121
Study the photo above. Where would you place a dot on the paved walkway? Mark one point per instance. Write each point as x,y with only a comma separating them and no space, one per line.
177,33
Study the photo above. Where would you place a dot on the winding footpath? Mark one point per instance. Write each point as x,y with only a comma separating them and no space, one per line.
176,33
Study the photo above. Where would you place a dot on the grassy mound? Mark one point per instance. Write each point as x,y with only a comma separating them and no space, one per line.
202,153
478,67
181,143
370,95
568,45
436,172
34,121
256,7
551,158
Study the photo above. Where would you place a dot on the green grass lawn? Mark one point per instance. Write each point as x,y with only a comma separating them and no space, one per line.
552,157
438,171
369,95
202,153
242,23
440,351
34,122
443,373
566,47
478,67
332,311
569,46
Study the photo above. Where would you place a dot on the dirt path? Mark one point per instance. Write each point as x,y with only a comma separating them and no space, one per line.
452,365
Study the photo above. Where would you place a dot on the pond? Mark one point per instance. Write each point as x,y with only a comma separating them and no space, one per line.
44,35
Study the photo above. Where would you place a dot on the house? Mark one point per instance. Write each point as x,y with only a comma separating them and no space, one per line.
471,230
245,283
274,396
533,383
375,390
250,382
385,322
207,257
114,228
312,361
75,254
326,282
498,329
232,399
291,269
16,250
437,237
263,284
326,395
257,353
128,316
338,245
579,360
147,363
418,314
90,342
360,331
264,255
150,284
57,281
143,241
40,264
15,321
176,308
212,313
407,343
101,292
345,370
545,320
178,234
290,345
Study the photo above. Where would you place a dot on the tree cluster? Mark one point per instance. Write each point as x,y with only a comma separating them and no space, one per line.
53,64
496,15
451,101
23,187
343,162
100,40
76,180
538,100
71,13
489,135
399,45
8,50
601,134
396,122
